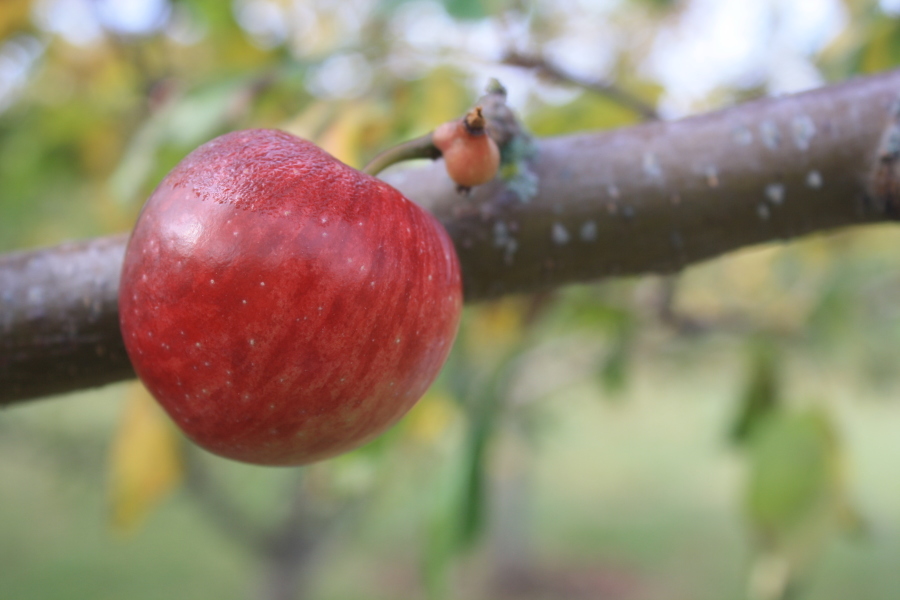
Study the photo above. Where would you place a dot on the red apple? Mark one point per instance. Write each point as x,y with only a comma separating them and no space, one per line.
281,306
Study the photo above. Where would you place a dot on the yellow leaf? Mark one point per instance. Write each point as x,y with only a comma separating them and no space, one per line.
312,121
14,15
493,328
431,417
145,461
438,97
351,132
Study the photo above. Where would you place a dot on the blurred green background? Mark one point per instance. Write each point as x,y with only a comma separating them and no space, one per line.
729,433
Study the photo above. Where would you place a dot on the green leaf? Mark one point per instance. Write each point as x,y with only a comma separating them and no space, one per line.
761,394
473,497
614,370
793,471
466,9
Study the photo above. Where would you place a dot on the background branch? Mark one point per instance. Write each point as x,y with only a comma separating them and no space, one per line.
646,199
550,71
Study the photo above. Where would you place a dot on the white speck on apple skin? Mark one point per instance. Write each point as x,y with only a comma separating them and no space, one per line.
252,342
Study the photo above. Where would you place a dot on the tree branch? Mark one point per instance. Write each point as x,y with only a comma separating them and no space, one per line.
646,199
59,321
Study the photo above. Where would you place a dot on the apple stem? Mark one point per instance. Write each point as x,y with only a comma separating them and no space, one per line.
421,147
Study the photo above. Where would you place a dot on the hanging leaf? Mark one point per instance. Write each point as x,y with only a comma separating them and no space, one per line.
473,497
614,370
145,461
761,394
797,499
794,472
441,544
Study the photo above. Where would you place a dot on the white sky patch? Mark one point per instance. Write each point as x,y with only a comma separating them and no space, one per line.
72,19
807,26
135,17
718,43
586,50
890,7
263,20
18,56
347,75
81,22
714,43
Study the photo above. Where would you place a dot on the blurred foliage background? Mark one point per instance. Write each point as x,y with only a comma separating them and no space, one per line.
729,433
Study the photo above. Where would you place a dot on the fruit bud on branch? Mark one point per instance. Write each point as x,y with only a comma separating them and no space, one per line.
470,154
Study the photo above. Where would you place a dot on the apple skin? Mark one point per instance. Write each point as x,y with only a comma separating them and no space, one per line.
281,306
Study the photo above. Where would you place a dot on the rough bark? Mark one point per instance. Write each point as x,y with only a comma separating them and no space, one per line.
647,199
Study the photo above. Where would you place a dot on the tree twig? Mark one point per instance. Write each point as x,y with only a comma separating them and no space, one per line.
609,89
